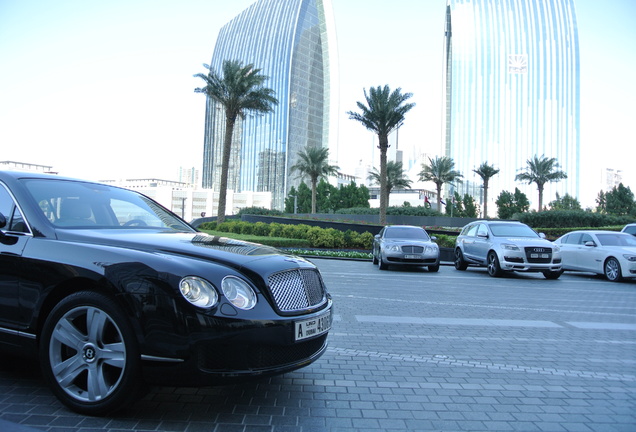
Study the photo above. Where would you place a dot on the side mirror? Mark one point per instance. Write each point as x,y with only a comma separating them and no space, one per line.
482,235
542,235
433,238
590,244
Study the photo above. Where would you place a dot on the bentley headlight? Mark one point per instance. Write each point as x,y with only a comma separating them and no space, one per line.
198,291
510,246
238,292
393,248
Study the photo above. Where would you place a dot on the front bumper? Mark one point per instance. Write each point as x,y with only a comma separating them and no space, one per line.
225,351
411,259
516,262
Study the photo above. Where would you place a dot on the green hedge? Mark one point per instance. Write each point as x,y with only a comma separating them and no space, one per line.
447,241
393,211
572,219
315,237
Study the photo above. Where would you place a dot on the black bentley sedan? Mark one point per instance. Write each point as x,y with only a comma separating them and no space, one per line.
111,291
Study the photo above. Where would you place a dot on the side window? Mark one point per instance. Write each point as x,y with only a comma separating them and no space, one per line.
573,238
6,203
482,230
15,221
472,231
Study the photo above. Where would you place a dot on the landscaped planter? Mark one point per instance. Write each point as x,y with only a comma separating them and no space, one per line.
446,254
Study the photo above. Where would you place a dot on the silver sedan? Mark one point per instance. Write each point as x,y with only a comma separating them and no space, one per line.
405,245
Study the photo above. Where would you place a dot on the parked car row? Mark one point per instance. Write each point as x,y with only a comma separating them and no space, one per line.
507,246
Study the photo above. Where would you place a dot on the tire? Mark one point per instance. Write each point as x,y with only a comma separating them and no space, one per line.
381,264
89,355
460,263
612,270
433,268
552,274
375,259
494,269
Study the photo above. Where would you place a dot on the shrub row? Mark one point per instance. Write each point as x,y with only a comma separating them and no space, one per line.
393,211
444,240
572,219
317,237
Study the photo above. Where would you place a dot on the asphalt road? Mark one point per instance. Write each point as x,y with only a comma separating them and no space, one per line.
410,351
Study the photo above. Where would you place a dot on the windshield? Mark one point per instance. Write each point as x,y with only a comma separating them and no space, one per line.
512,230
89,205
616,239
406,233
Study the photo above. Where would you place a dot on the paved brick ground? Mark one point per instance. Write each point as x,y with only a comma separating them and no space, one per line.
410,350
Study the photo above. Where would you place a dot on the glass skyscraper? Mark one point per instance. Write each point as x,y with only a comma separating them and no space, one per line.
292,42
512,91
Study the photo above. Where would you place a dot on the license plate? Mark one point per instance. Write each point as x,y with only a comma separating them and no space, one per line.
312,327
544,255
411,256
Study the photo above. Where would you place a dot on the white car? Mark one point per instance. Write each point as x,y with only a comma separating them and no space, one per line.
630,229
608,253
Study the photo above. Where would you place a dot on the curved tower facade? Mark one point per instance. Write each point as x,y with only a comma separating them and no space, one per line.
512,91
289,40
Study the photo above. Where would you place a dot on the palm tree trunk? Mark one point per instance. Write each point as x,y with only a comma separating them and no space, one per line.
485,199
439,196
225,166
540,187
384,196
314,181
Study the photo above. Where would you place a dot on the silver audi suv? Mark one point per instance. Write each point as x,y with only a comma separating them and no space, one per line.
506,246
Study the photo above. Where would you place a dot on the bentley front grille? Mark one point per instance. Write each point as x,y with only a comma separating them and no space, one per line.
296,290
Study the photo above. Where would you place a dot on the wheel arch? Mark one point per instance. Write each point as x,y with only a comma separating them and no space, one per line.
620,267
72,286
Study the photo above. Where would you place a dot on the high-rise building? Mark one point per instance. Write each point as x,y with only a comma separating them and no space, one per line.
293,43
512,91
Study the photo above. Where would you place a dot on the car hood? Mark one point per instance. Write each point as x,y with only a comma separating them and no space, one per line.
196,245
409,242
525,241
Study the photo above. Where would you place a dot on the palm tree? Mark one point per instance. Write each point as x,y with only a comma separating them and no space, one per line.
541,170
239,90
486,171
314,163
395,176
384,111
441,170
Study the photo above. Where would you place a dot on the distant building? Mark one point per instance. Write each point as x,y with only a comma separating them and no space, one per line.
189,202
23,166
512,91
293,43
611,178
189,175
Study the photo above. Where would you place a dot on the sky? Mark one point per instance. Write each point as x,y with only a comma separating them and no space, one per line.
105,89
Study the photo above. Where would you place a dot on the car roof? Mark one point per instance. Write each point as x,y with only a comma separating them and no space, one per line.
403,226
491,222
595,232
